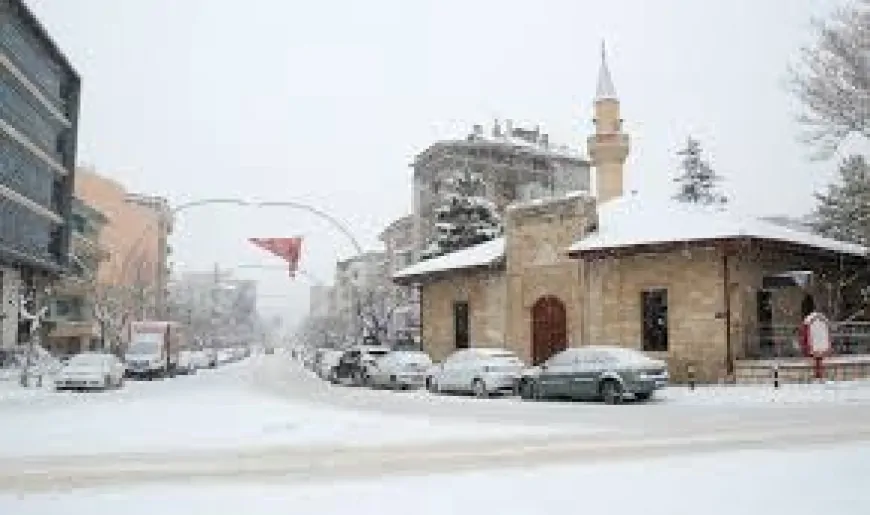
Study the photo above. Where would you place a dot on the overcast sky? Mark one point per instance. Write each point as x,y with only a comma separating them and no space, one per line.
327,102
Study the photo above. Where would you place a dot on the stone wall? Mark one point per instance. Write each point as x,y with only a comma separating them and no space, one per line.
538,236
693,280
484,290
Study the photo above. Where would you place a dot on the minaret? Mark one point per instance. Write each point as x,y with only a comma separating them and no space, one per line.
608,147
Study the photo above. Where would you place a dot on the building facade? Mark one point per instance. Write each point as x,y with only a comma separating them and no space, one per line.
74,322
39,104
515,163
136,237
398,240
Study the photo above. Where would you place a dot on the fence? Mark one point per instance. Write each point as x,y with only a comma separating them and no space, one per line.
781,341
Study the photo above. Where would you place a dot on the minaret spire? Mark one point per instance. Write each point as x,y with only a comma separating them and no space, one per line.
605,81
609,145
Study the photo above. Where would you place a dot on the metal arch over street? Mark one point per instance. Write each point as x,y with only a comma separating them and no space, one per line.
277,203
246,203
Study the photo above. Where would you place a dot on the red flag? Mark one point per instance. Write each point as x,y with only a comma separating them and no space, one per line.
288,249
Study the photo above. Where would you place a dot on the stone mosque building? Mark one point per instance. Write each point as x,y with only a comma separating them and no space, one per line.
697,286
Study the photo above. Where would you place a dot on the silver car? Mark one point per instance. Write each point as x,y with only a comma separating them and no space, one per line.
607,373
400,370
483,371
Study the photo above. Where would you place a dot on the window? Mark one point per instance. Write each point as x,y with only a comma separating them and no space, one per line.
654,319
460,325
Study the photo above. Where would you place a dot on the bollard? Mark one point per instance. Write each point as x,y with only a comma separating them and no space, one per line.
776,375
690,372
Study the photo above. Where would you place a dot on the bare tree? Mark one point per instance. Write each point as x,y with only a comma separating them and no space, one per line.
375,311
111,307
832,79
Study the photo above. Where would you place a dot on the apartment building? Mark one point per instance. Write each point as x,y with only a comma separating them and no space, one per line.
39,105
136,237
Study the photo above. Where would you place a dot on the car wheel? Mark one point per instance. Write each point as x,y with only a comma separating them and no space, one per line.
333,376
478,387
611,392
394,383
431,385
527,391
643,396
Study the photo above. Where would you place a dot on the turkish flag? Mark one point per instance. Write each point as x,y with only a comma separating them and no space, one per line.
288,249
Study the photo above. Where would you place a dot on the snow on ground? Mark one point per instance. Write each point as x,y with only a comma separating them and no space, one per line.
798,482
213,410
844,392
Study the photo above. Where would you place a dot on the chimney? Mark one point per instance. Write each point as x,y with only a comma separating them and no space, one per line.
496,129
509,127
478,129
545,140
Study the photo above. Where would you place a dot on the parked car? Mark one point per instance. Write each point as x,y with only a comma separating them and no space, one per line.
211,357
188,362
327,366
91,370
400,370
605,373
354,363
482,371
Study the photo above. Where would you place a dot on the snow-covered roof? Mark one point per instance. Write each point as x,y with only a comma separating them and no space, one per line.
550,149
633,221
485,254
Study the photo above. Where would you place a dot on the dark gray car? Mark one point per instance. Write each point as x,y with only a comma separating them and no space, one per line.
595,373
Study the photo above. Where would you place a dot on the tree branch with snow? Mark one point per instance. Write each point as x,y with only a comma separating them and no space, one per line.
832,79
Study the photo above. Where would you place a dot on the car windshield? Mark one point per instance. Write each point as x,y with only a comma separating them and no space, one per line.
86,360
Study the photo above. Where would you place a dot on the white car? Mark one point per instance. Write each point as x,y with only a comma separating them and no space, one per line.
482,371
400,370
91,370
328,361
189,361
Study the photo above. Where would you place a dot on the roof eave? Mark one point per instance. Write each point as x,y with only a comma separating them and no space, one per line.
436,275
628,250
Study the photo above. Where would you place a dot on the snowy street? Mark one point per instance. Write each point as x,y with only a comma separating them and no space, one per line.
267,419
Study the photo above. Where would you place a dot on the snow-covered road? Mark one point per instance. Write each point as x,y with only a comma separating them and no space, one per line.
266,418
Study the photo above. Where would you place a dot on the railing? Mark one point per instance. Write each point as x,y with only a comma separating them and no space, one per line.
782,341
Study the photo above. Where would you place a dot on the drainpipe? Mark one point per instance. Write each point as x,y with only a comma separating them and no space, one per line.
726,293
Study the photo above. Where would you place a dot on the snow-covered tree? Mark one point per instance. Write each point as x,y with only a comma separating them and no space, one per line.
697,182
376,313
843,209
832,78
465,216
111,307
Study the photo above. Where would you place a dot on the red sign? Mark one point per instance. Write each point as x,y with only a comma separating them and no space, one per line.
288,249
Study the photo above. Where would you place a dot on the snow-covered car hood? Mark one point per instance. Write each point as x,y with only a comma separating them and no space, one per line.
531,371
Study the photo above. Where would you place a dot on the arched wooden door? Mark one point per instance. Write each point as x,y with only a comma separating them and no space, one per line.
549,328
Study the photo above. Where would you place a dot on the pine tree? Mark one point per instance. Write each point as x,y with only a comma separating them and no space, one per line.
843,210
697,182
465,217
